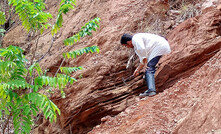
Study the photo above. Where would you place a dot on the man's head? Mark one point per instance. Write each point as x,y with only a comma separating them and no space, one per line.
126,40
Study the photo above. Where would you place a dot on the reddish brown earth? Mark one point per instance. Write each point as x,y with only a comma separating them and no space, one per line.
188,79
191,104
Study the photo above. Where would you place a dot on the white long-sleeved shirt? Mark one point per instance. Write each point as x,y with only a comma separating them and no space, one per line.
148,46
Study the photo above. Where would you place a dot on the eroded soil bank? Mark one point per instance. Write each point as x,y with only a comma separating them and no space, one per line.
188,80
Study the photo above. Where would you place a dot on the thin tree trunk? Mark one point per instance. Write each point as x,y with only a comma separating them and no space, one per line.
36,46
7,123
52,42
59,67
4,8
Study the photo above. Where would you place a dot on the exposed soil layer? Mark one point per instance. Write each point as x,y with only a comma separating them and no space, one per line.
190,106
190,103
187,80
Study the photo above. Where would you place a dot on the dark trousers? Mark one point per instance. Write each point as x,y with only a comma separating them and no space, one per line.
150,72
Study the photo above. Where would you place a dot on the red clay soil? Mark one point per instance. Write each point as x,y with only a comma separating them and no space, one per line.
190,106
188,79
191,103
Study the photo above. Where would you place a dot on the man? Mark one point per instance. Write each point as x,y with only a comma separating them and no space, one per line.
149,48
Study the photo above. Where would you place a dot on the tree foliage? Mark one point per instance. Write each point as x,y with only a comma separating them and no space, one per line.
14,90
76,53
31,14
20,82
65,6
69,70
85,30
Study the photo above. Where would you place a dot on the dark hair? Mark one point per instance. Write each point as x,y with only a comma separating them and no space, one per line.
125,38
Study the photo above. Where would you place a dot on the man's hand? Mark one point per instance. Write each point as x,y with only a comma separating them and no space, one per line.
136,73
146,69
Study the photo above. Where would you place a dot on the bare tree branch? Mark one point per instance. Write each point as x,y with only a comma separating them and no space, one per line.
5,2
36,46
59,67
52,42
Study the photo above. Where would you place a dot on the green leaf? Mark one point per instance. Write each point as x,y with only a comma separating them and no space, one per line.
2,18
27,110
47,114
27,120
45,110
34,109
51,120
25,127
6,111
43,103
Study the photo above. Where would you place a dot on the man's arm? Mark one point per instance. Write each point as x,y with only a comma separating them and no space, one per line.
137,71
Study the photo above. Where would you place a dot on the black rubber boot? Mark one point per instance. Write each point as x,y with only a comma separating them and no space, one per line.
150,84
149,76
146,93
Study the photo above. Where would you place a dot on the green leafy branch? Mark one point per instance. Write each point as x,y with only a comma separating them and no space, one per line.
19,82
24,107
15,100
76,53
65,6
69,70
31,14
45,104
85,30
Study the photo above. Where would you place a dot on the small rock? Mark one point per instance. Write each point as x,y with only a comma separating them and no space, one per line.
97,126
106,118
219,7
174,12
167,25
209,3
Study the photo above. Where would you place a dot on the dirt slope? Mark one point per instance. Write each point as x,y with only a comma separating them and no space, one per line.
191,105
189,77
